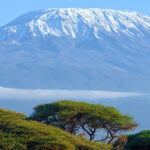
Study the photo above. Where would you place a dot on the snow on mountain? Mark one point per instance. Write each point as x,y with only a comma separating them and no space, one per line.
74,23
76,49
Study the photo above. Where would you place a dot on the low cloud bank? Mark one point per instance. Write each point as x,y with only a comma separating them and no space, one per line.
40,94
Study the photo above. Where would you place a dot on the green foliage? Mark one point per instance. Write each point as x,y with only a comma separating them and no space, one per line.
139,141
19,134
75,116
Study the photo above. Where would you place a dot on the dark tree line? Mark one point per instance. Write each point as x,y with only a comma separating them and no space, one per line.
139,141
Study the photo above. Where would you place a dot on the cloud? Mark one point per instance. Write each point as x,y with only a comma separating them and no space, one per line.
41,94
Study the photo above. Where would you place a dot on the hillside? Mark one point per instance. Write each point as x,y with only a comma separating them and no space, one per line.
76,49
18,134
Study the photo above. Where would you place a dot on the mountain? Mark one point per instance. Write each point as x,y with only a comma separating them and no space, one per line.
76,49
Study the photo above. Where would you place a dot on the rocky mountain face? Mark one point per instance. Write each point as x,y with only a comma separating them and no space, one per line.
76,49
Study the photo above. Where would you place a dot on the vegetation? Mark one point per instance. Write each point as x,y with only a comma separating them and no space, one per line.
84,118
19,134
120,143
139,141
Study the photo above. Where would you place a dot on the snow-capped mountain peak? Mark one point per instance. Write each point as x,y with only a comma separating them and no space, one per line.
74,48
75,23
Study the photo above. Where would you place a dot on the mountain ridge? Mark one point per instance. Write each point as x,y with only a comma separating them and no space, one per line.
60,22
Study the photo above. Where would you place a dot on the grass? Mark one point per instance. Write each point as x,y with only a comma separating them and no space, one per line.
19,134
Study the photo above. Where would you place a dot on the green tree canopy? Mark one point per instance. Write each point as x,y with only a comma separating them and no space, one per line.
139,141
80,117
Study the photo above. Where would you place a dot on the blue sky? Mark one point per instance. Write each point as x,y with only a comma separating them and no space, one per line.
10,9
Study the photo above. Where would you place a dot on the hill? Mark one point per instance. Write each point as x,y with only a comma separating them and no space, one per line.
19,134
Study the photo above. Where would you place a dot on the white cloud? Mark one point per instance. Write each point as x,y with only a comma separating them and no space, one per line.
41,94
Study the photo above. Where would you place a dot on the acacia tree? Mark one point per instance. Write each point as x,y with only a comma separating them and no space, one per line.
116,125
78,117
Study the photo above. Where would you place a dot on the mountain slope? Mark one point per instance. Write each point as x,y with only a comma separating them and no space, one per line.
76,49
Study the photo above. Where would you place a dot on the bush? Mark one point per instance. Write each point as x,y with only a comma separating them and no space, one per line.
139,141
